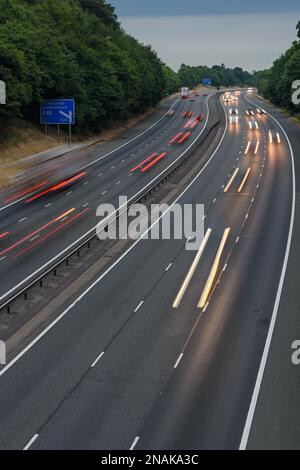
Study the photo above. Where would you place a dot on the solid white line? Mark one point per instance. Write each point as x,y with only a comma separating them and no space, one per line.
32,440
98,359
134,443
139,306
252,408
123,206
110,268
178,361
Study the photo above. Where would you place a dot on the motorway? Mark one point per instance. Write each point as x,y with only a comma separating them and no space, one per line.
131,363
31,220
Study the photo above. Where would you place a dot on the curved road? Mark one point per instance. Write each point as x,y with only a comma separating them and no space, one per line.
121,367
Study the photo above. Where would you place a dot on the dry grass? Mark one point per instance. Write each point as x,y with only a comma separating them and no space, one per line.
20,139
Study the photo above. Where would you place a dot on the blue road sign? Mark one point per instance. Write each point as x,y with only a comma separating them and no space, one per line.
206,81
57,112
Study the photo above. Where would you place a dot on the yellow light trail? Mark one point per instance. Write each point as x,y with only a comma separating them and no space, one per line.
247,148
231,180
244,180
270,137
210,280
192,269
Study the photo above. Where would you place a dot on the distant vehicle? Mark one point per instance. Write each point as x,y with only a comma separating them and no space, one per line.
274,137
199,117
250,112
260,111
192,98
171,112
233,111
187,114
185,93
234,119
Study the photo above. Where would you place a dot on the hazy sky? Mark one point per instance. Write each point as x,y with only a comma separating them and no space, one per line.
249,34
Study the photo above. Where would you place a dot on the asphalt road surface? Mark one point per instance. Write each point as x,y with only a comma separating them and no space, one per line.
121,367
30,221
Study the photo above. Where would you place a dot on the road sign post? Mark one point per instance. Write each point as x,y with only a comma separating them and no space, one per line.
58,112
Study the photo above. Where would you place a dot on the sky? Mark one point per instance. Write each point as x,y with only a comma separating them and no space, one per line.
249,34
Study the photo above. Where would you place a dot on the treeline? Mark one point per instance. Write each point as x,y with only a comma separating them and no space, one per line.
219,74
77,48
276,83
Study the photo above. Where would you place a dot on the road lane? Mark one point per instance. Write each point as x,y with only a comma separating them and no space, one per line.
100,189
54,392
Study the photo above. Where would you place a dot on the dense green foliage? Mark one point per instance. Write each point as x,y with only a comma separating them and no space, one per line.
220,75
77,49
275,84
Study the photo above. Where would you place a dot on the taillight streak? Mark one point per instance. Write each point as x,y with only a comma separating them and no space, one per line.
143,162
51,233
57,186
184,137
160,157
36,231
